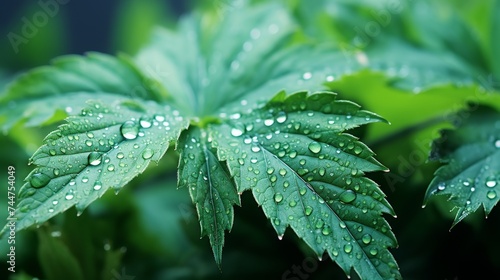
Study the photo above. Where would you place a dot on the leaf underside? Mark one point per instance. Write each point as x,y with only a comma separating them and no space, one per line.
470,175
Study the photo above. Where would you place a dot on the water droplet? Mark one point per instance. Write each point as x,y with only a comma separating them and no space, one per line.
69,195
373,251
326,230
308,210
282,172
491,194
129,130
319,224
330,78
491,182
348,248
347,196
159,118
85,179
278,197
52,152
497,143
281,117
147,154
277,221
39,180
97,185
236,132
56,172
367,239
292,203
307,75
145,122
314,147
88,143
358,150
95,158
441,186
120,155
268,122
111,167
302,191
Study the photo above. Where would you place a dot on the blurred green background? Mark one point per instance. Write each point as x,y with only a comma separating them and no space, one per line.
150,229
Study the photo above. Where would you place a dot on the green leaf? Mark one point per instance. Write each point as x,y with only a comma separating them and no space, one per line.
35,96
210,187
307,173
470,153
495,39
104,147
216,65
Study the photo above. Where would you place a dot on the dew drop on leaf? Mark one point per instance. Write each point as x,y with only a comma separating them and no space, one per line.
308,210
278,197
95,158
69,195
347,196
145,122
491,182
236,132
97,185
129,130
314,147
147,154
367,239
348,248
39,180
491,194
281,117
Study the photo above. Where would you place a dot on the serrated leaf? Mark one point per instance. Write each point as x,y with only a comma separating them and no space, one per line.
36,95
470,175
211,66
104,147
210,187
307,173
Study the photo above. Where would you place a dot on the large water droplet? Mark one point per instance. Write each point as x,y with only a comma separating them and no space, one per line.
348,248
491,182
145,122
314,147
95,158
236,132
491,194
278,197
497,143
281,117
129,130
97,185
367,238
39,180
347,196
69,195
308,210
147,154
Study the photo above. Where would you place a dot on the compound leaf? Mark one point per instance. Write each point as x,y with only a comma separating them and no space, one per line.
308,174
470,176
71,80
104,147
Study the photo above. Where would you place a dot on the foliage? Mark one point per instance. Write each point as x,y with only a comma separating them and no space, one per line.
272,98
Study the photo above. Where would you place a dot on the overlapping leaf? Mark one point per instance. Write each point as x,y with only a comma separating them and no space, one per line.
306,173
36,95
104,147
470,176
210,187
